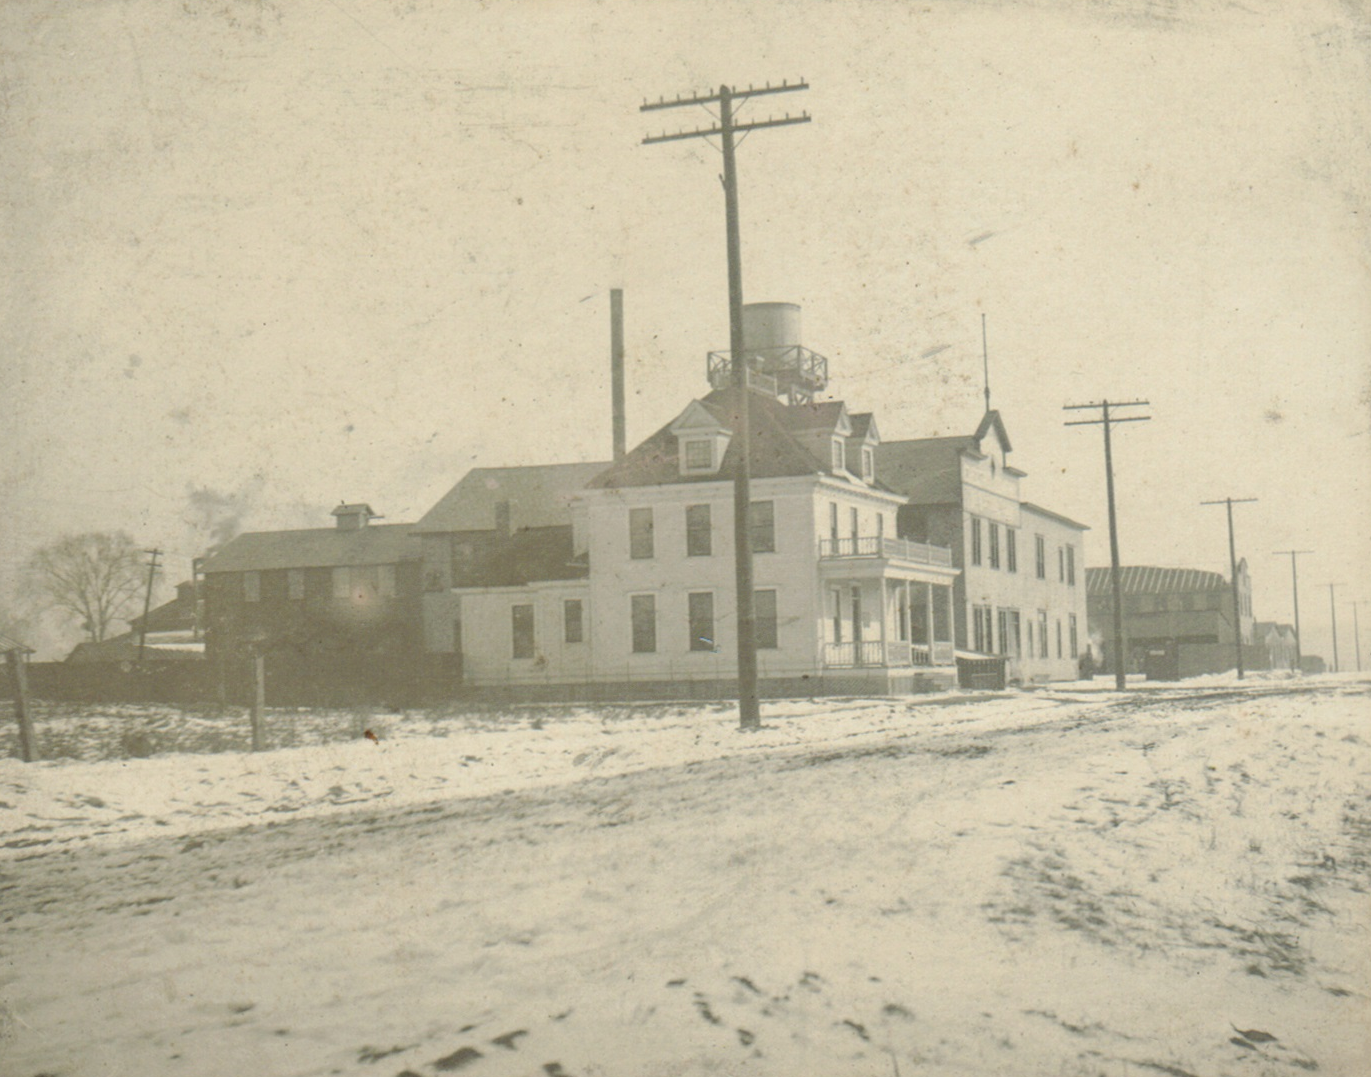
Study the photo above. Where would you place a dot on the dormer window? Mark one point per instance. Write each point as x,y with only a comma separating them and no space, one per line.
839,455
699,454
868,464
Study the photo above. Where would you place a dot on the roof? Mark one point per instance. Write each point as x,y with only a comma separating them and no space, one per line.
179,613
776,451
1054,516
1146,579
925,470
328,547
538,496
536,553
125,649
992,419
9,643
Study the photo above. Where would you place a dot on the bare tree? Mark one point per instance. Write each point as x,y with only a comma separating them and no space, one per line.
96,577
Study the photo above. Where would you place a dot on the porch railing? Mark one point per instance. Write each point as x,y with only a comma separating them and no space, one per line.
890,548
895,653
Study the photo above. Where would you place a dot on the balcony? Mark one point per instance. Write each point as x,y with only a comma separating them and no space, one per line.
895,654
888,549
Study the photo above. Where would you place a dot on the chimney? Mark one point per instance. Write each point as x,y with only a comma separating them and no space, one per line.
616,366
354,517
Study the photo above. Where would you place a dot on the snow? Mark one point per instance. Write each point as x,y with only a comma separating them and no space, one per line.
1069,880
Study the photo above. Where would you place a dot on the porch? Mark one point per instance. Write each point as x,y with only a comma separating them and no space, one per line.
887,604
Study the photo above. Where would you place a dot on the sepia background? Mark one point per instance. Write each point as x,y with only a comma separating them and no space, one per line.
264,257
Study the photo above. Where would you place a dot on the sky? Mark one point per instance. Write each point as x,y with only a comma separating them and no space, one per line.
262,258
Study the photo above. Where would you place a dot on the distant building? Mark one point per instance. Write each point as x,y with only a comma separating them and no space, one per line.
324,605
169,632
1277,644
1020,591
1178,619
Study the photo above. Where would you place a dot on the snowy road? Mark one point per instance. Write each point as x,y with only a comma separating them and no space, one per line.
1160,882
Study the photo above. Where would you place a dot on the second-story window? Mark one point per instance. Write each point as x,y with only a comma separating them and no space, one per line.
994,545
699,531
1071,565
1061,563
252,587
1011,550
833,521
1040,556
295,584
975,540
762,520
852,526
639,533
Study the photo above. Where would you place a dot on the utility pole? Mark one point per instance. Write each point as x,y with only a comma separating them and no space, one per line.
1233,565
147,600
1295,588
1106,420
728,100
1333,616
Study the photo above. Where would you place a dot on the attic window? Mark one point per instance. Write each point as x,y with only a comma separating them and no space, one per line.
868,464
839,455
699,455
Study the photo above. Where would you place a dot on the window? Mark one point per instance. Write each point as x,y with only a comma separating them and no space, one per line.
868,464
573,627
521,620
833,521
644,618
1042,634
1061,564
763,521
1040,556
852,526
385,581
981,621
699,532
701,608
1009,633
764,606
342,583
295,584
639,533
252,587
975,540
839,455
1011,549
1059,637
1071,565
1075,647
699,456
994,545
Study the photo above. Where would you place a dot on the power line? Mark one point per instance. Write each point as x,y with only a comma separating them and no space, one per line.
749,707
1107,420
1233,566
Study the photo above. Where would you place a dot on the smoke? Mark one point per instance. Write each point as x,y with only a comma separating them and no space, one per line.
216,516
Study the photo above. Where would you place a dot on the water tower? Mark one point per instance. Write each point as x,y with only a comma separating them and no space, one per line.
776,362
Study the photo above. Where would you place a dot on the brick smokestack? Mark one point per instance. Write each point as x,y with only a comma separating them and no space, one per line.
616,367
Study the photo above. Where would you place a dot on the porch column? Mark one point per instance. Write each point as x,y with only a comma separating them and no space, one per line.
908,615
885,616
928,613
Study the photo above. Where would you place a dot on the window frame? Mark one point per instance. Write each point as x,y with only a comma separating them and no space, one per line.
755,524
767,627
1040,556
994,534
694,444
523,637
977,549
642,543
1011,549
644,604
578,622
700,620
699,537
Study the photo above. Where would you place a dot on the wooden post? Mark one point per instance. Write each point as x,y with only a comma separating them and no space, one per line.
27,751
259,697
